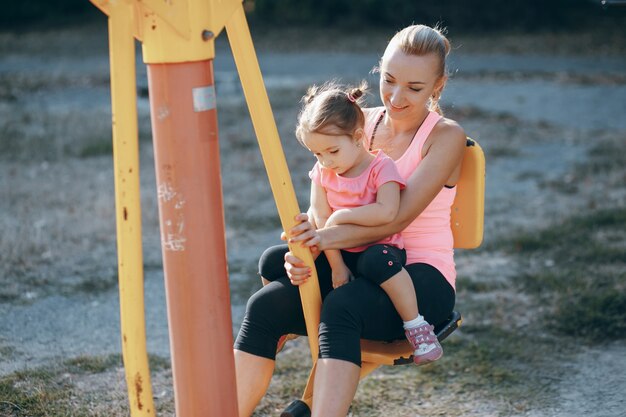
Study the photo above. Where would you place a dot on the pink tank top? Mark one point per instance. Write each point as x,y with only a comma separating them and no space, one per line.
428,239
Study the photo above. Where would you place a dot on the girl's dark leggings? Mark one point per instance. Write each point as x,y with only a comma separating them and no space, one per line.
358,309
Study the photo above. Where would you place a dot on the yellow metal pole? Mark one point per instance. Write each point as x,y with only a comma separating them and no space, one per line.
274,158
128,209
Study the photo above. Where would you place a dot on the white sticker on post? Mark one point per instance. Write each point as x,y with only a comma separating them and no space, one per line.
203,98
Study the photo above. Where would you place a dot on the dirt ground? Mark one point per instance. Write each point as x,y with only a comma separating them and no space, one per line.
537,104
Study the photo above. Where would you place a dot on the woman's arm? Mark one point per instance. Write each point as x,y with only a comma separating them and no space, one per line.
437,167
383,211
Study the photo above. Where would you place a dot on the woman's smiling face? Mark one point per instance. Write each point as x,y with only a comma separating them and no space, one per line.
407,82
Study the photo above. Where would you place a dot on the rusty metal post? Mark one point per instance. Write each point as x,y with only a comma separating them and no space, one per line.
184,128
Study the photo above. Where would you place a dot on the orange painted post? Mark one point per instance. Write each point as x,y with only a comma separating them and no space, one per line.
184,128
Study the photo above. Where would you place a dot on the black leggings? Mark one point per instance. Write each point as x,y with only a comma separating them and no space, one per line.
378,263
359,309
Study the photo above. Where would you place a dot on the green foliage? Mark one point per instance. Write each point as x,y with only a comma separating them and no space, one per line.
55,389
99,148
599,315
583,282
93,364
34,393
573,235
16,13
466,15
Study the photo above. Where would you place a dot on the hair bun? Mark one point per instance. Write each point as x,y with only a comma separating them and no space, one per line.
355,93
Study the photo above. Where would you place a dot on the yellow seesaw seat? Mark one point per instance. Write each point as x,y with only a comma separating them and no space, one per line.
468,209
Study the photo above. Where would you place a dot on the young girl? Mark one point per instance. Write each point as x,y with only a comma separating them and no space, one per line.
351,185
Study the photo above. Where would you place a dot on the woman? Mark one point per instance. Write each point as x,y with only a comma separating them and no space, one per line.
427,149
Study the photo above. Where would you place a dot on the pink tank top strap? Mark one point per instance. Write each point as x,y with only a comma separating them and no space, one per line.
413,155
414,151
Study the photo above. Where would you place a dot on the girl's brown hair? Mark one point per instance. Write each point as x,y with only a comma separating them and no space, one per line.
331,109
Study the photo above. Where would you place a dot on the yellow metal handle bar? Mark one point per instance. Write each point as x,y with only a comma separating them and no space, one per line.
128,208
274,159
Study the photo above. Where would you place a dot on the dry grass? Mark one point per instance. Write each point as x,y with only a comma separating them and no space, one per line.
484,367
79,387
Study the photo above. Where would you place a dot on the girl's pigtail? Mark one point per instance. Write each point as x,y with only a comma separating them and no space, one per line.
355,94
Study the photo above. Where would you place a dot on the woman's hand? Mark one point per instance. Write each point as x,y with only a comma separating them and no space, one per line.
297,271
307,235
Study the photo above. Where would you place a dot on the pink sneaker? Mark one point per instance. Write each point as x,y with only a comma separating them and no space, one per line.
425,344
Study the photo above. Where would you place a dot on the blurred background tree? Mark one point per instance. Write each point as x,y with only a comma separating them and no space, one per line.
466,15
463,15
24,13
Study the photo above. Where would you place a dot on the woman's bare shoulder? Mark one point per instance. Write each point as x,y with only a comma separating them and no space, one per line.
448,131
447,136
448,127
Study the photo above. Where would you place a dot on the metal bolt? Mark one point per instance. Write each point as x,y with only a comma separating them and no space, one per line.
207,35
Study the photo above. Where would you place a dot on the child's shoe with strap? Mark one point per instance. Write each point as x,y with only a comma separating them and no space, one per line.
425,344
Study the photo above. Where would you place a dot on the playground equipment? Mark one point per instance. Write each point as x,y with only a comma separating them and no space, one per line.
178,47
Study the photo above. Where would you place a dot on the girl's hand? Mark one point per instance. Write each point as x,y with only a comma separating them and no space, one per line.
304,233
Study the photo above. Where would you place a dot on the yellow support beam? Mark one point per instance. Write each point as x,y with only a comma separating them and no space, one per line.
128,208
176,31
274,159
182,31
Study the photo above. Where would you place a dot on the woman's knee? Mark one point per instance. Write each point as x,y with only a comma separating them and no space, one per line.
272,262
260,304
275,299
340,328
338,306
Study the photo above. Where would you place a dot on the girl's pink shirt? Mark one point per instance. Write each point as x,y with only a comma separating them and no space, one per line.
344,193
428,239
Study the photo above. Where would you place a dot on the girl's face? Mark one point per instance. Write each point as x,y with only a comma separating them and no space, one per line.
339,153
407,82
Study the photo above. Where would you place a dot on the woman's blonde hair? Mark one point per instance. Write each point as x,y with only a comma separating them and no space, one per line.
423,40
331,109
